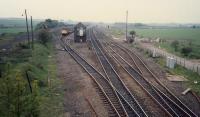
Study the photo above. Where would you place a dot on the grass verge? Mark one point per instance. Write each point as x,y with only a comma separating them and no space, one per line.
46,99
51,101
179,70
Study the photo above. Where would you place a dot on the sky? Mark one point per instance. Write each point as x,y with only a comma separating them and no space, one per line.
144,11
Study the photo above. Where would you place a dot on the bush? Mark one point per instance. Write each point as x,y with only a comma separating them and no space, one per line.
16,98
132,33
48,23
23,46
175,44
44,36
186,51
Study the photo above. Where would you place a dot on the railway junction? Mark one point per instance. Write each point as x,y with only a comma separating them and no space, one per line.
107,77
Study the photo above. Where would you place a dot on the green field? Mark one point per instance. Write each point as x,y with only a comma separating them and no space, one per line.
12,30
12,22
182,34
10,27
14,25
16,22
187,37
171,34
9,33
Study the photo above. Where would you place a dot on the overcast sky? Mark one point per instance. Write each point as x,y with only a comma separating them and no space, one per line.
146,11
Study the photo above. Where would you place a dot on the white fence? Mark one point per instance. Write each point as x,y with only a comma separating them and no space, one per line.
194,66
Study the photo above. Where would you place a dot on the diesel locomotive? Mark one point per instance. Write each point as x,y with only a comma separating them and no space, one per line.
80,32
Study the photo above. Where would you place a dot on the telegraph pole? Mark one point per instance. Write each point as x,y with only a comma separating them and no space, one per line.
32,34
126,23
27,28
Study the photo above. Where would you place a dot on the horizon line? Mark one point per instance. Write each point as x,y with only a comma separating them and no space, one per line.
106,22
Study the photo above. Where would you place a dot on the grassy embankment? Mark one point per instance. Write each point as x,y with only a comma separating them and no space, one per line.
179,70
51,96
24,69
47,97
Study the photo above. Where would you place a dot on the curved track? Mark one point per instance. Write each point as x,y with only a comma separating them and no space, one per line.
113,77
162,99
148,74
111,99
141,69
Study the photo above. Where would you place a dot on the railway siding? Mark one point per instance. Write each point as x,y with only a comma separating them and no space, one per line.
111,99
114,77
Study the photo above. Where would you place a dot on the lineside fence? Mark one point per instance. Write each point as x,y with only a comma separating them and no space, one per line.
193,66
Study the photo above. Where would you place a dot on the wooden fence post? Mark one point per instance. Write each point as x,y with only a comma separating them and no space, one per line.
29,82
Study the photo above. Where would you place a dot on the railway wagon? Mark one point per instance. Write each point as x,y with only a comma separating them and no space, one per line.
80,32
64,32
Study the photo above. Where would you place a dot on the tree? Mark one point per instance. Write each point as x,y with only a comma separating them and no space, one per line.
44,36
175,44
194,26
15,97
132,33
48,23
186,51
7,89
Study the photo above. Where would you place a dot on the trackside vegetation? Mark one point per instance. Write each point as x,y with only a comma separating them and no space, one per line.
188,74
42,97
28,84
193,77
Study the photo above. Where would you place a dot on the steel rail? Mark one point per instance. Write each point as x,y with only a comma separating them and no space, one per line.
114,77
172,107
112,99
162,86
155,96
131,112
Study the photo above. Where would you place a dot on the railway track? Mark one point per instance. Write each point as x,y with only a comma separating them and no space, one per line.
143,70
115,95
113,77
174,105
152,78
111,99
171,106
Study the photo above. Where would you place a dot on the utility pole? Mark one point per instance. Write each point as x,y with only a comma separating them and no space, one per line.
32,34
27,28
126,23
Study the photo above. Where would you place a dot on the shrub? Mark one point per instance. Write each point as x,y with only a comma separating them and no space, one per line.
16,99
175,44
186,50
132,33
48,23
44,36
23,46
